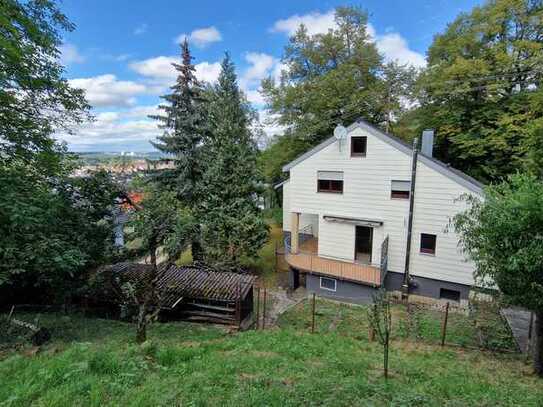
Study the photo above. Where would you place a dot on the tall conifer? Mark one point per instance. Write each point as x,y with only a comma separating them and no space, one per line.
232,224
182,122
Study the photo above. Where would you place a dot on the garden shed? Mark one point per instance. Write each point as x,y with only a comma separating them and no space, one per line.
193,293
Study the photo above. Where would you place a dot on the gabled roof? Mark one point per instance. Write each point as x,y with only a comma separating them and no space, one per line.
458,176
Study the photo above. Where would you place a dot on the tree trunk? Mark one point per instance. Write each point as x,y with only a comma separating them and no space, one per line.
196,246
385,361
141,330
538,343
149,295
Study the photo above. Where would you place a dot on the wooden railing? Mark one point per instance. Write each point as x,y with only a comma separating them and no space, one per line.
345,270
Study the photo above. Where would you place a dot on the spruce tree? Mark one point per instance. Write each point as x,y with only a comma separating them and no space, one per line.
182,123
232,225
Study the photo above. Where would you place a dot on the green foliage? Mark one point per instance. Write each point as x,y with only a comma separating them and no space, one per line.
35,99
332,78
162,221
502,234
53,229
481,90
232,225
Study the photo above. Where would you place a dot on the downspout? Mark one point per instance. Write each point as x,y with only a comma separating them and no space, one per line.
407,278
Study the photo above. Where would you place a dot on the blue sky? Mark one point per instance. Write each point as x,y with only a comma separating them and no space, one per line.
121,51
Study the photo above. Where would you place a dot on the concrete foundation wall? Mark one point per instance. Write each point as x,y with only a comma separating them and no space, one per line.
425,287
345,290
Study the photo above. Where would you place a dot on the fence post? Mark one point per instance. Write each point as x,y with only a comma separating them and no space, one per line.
313,315
264,310
257,307
275,258
444,326
530,329
239,306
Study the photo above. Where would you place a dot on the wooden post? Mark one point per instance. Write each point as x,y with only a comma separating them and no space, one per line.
239,306
313,315
275,258
530,331
294,237
444,326
371,334
264,310
257,307
11,314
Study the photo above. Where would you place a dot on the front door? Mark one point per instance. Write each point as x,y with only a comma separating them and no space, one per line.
363,244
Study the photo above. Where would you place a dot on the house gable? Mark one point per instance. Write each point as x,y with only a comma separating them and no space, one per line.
446,170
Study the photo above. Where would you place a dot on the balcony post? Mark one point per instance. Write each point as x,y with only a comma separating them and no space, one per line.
294,232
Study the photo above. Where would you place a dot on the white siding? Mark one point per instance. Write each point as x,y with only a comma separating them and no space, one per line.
366,194
286,206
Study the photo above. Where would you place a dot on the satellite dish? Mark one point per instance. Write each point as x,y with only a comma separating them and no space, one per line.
340,133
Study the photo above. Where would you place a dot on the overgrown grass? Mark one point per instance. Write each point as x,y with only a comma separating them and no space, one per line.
95,362
421,324
266,262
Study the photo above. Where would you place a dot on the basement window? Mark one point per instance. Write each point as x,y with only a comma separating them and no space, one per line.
328,284
358,146
330,181
452,295
428,243
400,189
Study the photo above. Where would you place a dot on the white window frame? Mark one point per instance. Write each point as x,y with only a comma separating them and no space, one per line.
326,288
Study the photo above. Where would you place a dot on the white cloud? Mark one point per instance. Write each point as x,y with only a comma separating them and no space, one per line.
201,37
208,71
391,44
69,54
141,29
395,48
315,22
128,129
161,73
106,90
260,67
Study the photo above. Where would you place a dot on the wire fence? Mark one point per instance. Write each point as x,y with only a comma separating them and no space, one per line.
480,326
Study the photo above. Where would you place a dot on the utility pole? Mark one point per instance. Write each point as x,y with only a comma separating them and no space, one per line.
405,285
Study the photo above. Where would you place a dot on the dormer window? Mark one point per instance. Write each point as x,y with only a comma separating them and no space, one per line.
358,146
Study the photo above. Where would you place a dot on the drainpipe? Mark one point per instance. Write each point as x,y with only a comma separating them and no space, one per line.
405,285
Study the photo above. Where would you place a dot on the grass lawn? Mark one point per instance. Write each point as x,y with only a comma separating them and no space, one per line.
93,362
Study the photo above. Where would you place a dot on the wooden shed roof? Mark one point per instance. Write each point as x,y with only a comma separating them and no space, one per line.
177,283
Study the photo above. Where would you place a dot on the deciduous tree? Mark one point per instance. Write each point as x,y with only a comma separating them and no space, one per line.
503,235
482,89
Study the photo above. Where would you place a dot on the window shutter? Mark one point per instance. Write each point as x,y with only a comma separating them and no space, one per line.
401,186
330,175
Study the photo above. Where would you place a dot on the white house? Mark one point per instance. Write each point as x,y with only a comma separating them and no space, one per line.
346,209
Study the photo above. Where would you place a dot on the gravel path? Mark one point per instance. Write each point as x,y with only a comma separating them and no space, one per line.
279,301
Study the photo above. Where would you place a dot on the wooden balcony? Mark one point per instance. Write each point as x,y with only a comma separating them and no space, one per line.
307,260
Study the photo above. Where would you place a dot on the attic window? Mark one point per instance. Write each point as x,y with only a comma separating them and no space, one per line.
400,189
358,146
428,243
330,181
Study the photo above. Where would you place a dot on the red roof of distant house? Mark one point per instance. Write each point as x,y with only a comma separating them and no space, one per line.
135,197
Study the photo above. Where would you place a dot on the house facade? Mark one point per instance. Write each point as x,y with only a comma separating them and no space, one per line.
346,208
